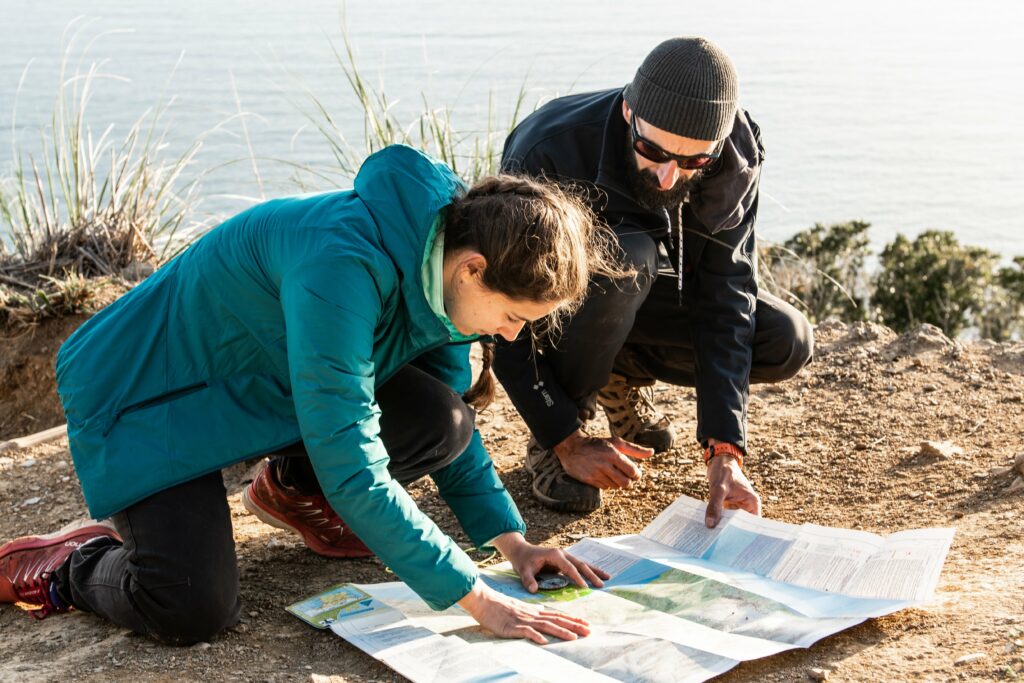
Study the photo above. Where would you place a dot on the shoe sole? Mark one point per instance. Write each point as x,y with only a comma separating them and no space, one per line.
577,506
559,505
660,445
312,542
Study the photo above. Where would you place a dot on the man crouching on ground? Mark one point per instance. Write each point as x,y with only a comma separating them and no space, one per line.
675,163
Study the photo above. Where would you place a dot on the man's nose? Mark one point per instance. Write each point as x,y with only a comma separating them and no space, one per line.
668,174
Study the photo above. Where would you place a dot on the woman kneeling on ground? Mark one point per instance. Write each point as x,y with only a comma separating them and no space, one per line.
332,330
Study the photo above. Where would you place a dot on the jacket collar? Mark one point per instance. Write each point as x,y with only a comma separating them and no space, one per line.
610,167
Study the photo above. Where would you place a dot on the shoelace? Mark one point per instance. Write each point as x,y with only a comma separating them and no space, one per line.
643,399
37,592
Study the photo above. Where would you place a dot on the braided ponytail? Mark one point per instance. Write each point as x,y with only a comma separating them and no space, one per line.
481,394
542,243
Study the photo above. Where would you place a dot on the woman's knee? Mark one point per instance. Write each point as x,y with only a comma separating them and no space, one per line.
453,424
188,613
437,434
639,253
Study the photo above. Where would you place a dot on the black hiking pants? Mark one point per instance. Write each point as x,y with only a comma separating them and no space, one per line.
642,331
175,578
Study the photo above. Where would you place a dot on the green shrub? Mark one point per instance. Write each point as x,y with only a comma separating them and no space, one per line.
1002,314
821,270
932,280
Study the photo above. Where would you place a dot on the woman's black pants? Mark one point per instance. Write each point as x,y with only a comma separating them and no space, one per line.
175,577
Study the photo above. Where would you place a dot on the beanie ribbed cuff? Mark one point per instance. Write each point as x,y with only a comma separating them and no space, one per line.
687,87
689,117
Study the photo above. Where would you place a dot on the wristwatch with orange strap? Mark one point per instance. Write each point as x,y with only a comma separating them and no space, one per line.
723,449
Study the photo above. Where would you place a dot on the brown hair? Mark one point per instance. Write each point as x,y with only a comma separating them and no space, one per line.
542,243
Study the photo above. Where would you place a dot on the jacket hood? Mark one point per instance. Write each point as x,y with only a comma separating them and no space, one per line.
405,190
721,200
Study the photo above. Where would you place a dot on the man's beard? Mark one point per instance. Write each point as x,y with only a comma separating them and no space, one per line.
647,189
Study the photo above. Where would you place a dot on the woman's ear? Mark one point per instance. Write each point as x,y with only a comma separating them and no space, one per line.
475,264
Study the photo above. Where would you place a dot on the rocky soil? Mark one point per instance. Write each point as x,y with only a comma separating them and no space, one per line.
881,432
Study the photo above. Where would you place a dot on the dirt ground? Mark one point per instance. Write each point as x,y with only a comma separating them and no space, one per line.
839,445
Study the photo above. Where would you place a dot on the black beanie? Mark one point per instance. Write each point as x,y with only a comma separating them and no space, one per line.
686,86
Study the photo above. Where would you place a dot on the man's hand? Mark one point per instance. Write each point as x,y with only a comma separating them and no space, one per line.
601,462
528,560
729,488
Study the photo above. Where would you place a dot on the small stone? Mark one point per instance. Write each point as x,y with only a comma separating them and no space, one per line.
578,537
28,463
202,645
1000,471
819,674
254,614
790,464
32,501
939,449
275,542
1016,487
61,464
929,388
970,659
915,495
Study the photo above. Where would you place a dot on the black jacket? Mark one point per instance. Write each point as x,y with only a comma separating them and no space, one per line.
583,138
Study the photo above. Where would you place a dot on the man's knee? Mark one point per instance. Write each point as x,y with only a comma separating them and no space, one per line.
802,348
611,303
792,347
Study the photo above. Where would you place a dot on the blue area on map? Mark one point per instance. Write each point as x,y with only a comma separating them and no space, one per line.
643,571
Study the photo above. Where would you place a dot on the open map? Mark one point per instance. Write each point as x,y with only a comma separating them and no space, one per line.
685,603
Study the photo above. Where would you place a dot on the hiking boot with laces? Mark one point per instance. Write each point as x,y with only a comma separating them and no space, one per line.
27,566
553,487
629,405
310,516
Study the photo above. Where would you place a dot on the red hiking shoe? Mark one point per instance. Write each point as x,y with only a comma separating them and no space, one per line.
27,565
309,516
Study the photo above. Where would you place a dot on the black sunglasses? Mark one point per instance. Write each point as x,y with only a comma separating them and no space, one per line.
653,152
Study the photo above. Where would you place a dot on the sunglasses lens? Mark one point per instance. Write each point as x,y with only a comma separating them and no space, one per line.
693,164
652,153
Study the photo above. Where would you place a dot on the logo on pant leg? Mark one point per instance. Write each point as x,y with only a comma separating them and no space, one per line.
548,401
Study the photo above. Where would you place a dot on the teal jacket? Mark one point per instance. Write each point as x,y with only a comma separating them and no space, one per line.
277,326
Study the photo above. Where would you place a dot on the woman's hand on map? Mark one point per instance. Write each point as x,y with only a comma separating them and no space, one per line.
728,488
511,618
528,560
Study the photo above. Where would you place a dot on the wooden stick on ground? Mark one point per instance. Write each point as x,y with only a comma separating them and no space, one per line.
34,439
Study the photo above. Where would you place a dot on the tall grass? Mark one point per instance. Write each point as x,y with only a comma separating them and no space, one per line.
88,205
472,154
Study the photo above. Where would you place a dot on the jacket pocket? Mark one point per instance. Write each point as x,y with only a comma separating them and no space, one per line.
154,401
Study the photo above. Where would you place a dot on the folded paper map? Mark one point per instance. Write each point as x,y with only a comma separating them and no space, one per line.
685,603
